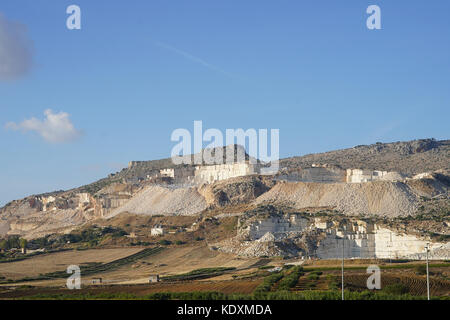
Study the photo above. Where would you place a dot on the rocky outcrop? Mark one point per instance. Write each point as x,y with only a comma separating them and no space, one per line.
236,190
410,157
60,212
327,238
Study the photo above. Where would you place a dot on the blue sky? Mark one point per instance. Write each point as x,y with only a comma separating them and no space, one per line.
137,70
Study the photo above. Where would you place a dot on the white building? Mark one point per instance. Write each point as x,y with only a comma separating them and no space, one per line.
359,175
167,173
157,230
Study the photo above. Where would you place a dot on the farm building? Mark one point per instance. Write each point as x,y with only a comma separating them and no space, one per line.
153,278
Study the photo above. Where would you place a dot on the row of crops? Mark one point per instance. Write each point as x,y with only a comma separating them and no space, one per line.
95,268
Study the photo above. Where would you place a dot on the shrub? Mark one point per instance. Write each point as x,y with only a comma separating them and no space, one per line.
421,269
267,284
265,267
165,242
444,238
291,279
313,276
332,282
396,289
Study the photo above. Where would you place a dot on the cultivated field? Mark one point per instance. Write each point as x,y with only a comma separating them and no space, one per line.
195,269
60,261
175,261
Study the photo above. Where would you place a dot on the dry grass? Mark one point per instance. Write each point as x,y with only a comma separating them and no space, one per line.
173,261
60,261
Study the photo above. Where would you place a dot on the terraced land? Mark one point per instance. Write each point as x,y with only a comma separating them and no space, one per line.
53,262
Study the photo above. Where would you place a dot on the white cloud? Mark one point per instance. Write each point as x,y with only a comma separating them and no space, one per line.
15,49
55,128
193,58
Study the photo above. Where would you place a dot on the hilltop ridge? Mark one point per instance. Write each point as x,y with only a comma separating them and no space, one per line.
410,157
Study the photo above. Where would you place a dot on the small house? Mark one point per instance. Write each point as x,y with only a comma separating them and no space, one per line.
157,231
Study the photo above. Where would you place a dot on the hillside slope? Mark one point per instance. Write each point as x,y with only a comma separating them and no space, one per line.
156,200
62,211
379,198
411,157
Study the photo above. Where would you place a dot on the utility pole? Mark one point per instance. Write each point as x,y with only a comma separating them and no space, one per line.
428,272
343,253
390,250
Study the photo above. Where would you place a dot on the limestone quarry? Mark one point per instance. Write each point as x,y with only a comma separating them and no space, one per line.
306,211
324,238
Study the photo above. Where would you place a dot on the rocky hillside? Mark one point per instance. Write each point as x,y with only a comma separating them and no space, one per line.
63,211
410,157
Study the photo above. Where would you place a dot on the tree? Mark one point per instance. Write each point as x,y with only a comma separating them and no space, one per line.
23,243
3,245
13,242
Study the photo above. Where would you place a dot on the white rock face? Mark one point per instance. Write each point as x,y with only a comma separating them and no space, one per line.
361,240
276,226
209,174
380,243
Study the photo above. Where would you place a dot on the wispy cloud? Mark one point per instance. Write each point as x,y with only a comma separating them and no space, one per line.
15,49
193,58
55,128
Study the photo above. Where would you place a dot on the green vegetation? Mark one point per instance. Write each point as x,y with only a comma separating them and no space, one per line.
443,238
421,269
89,237
396,289
199,274
268,283
94,268
165,242
279,295
333,282
12,242
12,257
314,275
140,243
290,280
266,267
7,254
23,243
